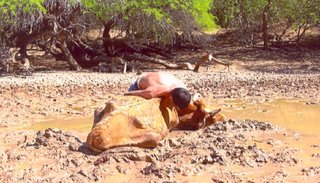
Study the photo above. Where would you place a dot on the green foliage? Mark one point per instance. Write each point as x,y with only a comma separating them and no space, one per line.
9,9
296,12
12,6
247,14
230,12
160,10
154,19
202,14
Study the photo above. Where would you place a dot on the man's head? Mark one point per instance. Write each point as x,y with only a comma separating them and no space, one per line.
181,97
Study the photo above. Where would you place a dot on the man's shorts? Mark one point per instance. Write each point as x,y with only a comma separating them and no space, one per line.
135,86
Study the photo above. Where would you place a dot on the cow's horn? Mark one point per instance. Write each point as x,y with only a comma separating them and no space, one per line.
210,57
196,97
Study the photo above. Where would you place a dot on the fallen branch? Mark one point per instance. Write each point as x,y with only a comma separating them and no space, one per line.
209,58
164,63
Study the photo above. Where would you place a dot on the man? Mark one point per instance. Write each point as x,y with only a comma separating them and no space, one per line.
161,84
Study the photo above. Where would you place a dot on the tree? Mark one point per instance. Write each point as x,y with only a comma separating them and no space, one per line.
245,16
250,18
47,24
141,26
154,22
9,11
296,15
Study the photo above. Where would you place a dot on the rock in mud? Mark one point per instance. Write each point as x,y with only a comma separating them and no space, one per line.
174,142
285,156
152,168
311,171
56,137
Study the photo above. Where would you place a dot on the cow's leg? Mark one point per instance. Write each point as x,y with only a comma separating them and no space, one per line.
146,139
141,137
100,114
122,130
100,139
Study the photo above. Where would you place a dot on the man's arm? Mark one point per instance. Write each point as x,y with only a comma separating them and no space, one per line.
147,94
152,92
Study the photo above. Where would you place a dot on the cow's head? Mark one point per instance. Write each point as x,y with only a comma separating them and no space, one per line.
197,115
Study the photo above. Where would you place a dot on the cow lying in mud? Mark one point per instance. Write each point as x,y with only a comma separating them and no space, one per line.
146,123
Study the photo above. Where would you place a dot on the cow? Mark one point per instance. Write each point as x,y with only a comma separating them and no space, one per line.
146,122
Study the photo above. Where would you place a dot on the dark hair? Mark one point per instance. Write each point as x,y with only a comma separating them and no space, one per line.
181,97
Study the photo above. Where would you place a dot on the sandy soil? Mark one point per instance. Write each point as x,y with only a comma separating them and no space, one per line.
231,151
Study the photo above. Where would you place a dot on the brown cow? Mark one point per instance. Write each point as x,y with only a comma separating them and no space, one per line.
197,115
145,123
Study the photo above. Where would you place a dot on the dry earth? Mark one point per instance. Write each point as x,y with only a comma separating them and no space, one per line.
231,151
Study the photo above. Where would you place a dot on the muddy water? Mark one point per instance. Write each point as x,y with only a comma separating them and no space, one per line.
302,120
81,124
295,115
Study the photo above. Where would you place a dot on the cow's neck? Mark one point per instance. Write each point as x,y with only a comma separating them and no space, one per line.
169,113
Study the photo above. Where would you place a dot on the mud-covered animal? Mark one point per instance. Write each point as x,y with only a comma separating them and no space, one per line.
198,115
145,123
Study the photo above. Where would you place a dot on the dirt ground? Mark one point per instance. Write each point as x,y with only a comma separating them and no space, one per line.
236,150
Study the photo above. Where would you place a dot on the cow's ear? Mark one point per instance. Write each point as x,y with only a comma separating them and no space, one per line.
101,114
220,117
215,114
213,117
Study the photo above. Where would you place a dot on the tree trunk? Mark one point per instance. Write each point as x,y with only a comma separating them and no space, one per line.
107,41
265,25
24,57
71,61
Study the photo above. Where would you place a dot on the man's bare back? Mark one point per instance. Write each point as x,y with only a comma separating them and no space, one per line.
161,84
160,78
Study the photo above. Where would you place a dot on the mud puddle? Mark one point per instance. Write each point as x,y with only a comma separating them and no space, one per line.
302,120
230,151
296,115
80,124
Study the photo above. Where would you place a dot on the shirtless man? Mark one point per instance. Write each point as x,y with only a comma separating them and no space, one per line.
161,84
